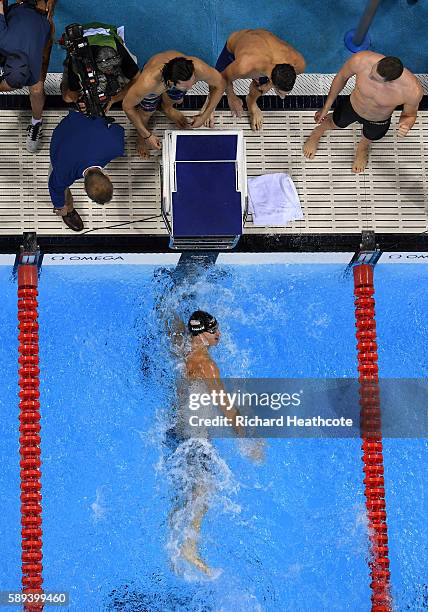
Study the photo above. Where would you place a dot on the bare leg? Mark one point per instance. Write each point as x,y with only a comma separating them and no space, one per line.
361,155
198,510
142,148
256,115
37,99
37,91
311,145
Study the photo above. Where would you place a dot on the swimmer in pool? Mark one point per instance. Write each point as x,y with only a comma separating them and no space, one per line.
163,82
266,59
199,455
382,84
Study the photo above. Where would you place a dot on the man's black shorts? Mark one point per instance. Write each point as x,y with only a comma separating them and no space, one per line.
344,115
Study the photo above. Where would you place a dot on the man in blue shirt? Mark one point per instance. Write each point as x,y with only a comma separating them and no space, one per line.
80,148
25,44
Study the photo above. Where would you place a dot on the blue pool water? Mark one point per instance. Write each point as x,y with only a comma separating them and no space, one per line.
201,28
289,534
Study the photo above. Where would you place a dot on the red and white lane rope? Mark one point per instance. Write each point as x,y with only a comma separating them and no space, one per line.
371,433
29,441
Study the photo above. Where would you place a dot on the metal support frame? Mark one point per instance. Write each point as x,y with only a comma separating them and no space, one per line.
358,38
29,253
369,251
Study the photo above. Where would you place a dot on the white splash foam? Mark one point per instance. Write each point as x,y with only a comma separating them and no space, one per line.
99,510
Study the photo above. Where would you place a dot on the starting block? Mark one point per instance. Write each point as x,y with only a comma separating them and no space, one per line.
204,188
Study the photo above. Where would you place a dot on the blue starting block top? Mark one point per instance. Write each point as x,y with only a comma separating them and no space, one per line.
206,201
206,148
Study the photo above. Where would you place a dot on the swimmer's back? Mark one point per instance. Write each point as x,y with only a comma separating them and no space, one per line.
200,366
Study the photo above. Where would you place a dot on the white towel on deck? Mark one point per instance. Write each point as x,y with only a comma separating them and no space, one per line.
273,199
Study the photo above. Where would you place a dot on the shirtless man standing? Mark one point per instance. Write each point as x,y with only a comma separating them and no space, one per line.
164,81
200,455
382,84
264,58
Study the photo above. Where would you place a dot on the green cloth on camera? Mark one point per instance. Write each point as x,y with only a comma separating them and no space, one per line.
104,35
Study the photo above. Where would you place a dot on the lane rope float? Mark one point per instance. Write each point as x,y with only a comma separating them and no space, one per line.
371,433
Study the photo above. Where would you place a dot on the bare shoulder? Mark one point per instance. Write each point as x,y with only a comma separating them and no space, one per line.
203,70
234,36
412,88
208,369
363,59
146,81
245,64
161,58
200,365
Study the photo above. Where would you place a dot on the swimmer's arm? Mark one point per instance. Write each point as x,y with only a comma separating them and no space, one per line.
239,69
409,113
211,374
342,77
121,95
300,64
137,92
176,332
217,86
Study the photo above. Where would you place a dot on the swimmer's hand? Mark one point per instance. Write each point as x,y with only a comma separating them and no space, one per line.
253,449
402,129
1,8
257,452
181,121
197,121
321,115
153,142
235,105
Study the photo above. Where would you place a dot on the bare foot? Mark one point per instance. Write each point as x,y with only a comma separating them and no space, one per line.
142,148
190,554
361,158
311,145
210,122
256,118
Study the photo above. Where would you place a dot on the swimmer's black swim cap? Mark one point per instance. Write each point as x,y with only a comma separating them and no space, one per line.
201,322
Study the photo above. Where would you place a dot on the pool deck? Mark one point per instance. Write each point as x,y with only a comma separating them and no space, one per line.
391,196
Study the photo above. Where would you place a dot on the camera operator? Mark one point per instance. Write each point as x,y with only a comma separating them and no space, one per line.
115,67
80,148
26,30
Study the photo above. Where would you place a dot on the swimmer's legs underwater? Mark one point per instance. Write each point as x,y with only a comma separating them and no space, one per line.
196,509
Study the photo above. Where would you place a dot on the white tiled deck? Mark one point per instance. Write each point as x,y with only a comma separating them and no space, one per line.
391,196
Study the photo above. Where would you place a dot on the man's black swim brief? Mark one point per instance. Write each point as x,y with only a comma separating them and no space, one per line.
344,114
